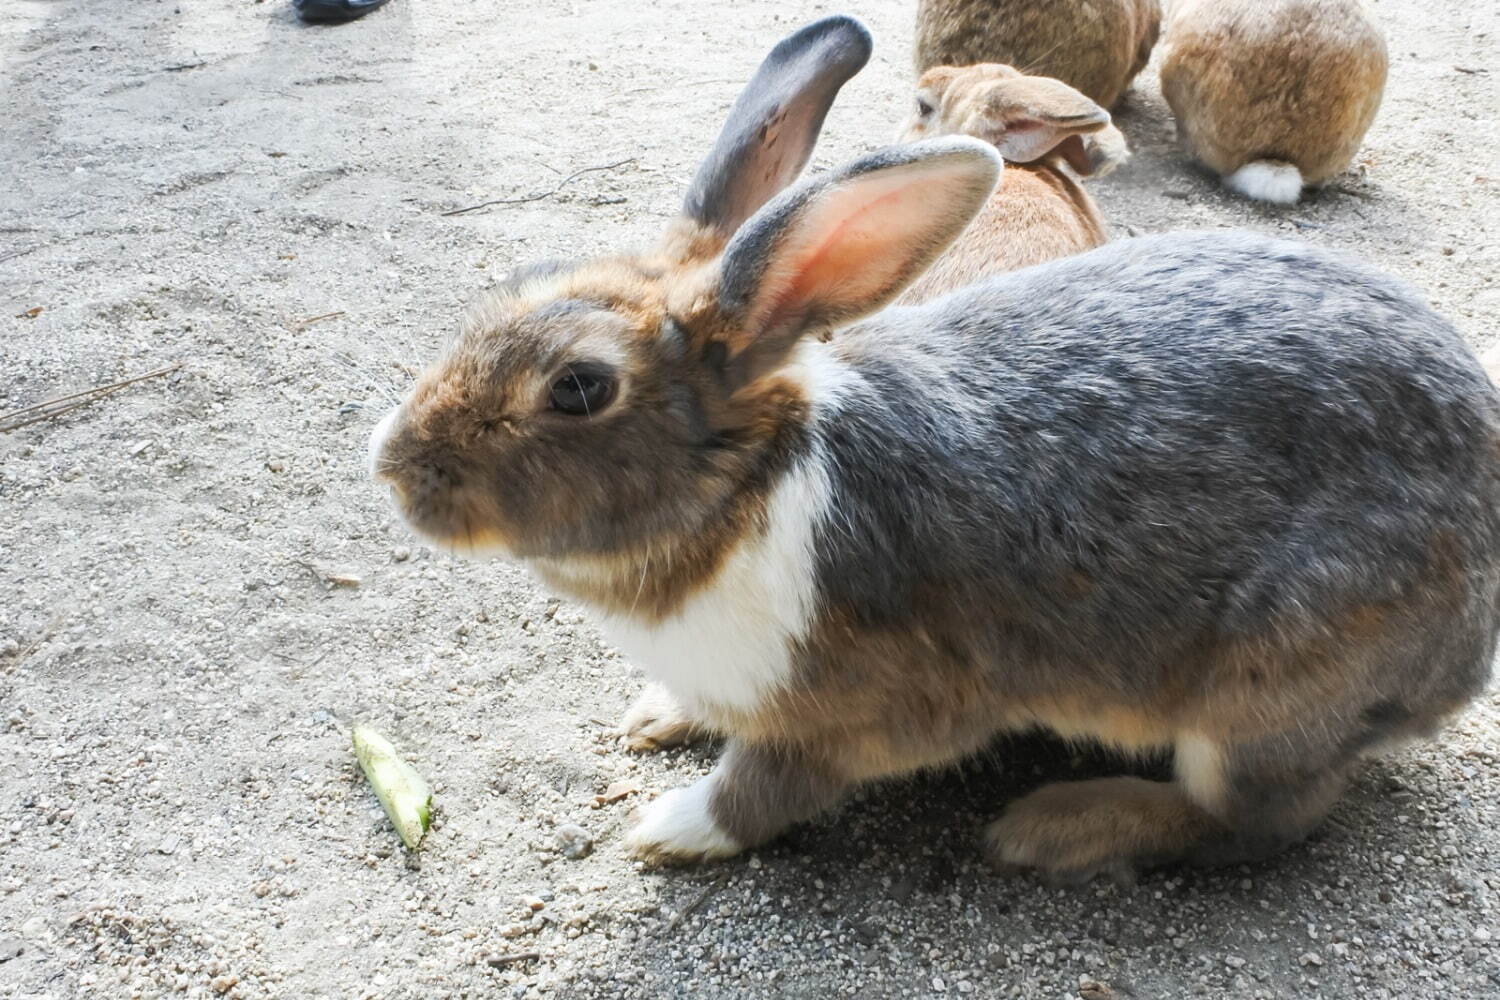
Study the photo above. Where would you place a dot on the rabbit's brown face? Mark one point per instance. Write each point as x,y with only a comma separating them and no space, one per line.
558,422
939,92
589,413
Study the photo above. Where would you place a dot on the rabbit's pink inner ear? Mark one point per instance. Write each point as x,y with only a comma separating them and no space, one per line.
1024,140
855,246
1029,139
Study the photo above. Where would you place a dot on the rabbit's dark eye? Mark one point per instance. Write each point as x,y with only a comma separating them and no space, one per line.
923,108
582,394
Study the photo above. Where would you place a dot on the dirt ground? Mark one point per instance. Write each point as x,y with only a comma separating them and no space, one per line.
196,182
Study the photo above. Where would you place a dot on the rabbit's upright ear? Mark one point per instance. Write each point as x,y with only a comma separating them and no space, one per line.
837,247
1028,117
774,124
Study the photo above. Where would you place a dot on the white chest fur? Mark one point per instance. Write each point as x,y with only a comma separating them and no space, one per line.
732,642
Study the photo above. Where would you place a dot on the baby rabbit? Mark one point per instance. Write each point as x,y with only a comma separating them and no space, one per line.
1210,494
1038,212
1096,46
1273,95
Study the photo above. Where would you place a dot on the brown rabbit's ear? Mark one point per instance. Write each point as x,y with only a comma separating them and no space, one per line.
773,126
1028,117
838,247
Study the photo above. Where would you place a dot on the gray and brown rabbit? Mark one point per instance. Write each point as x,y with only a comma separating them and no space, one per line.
1210,494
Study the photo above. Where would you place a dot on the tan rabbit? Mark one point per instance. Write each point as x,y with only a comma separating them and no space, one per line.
1097,46
1273,95
1039,212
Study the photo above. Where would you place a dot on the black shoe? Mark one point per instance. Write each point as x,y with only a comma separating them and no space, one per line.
334,10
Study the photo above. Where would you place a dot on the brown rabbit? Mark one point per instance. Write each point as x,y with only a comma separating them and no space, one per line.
1273,95
1097,46
1038,212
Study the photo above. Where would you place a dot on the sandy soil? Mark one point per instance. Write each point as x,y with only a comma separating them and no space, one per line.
179,810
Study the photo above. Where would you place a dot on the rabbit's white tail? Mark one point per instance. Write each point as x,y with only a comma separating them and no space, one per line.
1267,180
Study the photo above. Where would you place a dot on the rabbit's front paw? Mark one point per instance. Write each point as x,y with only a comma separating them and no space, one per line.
657,721
678,827
1074,830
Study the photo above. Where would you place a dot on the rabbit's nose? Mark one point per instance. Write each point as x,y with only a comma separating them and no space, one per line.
378,439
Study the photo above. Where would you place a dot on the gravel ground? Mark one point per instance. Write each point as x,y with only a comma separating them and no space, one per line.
183,643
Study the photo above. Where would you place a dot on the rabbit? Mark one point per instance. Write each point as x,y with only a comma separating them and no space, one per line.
1095,46
1214,495
1038,211
1273,95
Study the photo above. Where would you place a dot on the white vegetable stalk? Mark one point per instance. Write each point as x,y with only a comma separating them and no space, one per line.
401,790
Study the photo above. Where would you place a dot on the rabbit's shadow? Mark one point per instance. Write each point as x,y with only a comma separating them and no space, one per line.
924,834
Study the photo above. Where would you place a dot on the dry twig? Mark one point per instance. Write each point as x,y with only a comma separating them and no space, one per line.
58,405
542,194
302,324
677,85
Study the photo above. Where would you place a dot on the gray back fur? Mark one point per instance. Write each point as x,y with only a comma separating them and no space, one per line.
1226,435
